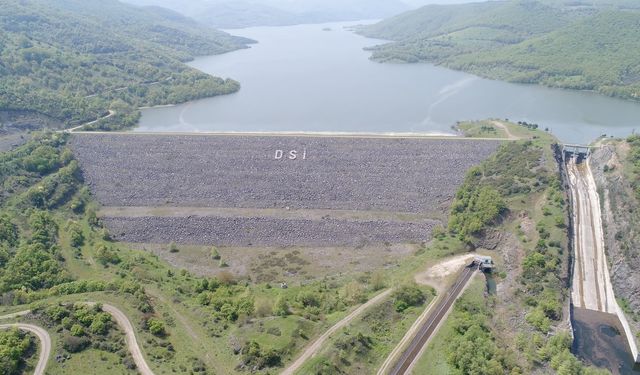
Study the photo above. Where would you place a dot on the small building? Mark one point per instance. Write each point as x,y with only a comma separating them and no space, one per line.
484,263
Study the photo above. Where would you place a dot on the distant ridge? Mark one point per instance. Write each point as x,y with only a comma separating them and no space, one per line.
585,45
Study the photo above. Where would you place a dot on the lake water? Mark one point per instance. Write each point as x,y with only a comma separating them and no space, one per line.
305,78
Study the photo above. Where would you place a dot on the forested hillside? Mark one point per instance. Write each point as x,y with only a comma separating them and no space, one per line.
577,45
246,13
74,60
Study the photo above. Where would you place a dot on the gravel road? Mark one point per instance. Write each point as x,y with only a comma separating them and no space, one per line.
121,319
130,337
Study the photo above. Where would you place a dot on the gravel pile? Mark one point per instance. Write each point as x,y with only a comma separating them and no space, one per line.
396,175
261,231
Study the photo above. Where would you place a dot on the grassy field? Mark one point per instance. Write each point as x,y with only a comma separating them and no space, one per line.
362,346
481,129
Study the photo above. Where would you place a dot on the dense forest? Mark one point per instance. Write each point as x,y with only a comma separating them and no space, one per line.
577,45
74,60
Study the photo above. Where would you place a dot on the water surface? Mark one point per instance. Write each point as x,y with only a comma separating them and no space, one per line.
599,340
305,78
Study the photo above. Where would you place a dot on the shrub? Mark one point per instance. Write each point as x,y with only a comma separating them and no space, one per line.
377,281
281,307
173,248
100,324
156,327
77,330
214,253
407,296
253,356
539,320
474,207
74,344
14,345
264,308
308,299
106,255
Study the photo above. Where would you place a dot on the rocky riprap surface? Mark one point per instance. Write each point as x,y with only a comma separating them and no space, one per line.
397,175
263,231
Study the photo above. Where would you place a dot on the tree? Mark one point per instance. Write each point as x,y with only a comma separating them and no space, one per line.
42,159
44,229
32,267
8,231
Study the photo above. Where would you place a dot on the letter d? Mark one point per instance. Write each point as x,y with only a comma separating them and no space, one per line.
279,154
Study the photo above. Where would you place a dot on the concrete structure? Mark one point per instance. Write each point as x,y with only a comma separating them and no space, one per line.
591,284
579,152
484,263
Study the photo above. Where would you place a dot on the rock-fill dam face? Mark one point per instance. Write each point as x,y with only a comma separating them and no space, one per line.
242,190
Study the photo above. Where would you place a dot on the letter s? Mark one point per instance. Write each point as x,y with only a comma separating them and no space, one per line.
293,154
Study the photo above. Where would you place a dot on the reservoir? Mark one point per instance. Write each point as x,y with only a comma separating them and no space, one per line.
318,78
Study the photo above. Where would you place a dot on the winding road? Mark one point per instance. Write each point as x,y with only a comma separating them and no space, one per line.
121,319
76,128
130,336
45,343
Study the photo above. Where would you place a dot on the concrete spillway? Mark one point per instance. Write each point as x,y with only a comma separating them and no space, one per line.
592,291
592,288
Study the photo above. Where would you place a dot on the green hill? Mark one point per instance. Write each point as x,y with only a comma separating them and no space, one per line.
577,45
74,60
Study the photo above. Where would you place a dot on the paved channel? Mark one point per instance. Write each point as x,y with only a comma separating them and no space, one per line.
592,288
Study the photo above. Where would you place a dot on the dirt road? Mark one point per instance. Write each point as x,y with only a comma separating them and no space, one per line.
130,337
43,336
76,128
592,288
312,349
120,318
506,130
